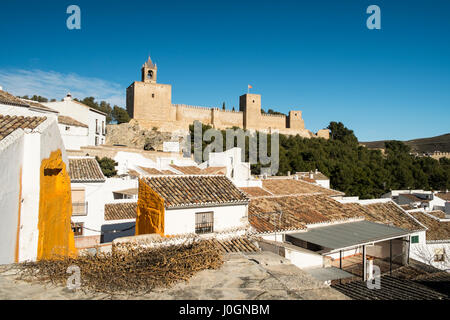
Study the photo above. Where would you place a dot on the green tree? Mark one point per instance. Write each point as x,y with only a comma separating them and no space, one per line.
108,166
120,115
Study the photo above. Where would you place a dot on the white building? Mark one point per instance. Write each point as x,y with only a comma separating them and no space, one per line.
94,119
35,193
414,199
91,190
435,249
315,177
190,204
74,133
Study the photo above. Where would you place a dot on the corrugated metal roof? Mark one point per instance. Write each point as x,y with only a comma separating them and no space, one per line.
351,234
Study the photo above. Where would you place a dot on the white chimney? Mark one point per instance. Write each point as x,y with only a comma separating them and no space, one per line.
311,175
317,171
68,97
1,88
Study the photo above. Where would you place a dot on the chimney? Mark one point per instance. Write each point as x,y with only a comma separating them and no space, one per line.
68,97
317,171
311,175
289,173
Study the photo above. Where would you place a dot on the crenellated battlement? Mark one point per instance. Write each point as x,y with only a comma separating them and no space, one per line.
150,103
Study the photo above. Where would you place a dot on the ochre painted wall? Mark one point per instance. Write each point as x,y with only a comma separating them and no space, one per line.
150,211
56,238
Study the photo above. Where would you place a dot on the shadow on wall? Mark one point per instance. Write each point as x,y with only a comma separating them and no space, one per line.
109,235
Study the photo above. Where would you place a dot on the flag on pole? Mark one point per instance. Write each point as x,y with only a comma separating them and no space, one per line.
248,89
249,86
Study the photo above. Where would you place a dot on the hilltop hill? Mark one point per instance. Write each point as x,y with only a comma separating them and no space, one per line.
423,145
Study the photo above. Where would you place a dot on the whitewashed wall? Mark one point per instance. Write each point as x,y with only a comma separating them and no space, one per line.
11,157
180,221
75,137
97,195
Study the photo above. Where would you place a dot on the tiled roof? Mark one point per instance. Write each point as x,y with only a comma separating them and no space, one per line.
255,191
184,190
389,213
437,230
187,169
316,176
120,211
215,170
291,186
9,99
300,211
85,170
38,106
9,124
413,197
133,173
444,195
152,171
438,214
130,192
297,212
238,244
71,122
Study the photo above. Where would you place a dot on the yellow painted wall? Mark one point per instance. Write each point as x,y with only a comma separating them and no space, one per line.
150,211
56,238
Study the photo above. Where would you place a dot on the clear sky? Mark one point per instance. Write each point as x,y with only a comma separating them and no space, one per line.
314,56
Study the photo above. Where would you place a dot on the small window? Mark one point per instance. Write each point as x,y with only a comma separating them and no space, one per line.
77,228
415,239
67,128
153,95
439,255
204,222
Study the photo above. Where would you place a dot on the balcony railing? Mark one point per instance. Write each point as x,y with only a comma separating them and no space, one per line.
79,208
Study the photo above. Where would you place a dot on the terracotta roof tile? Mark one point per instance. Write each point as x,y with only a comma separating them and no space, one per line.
437,230
184,190
444,195
187,169
130,191
390,213
255,191
438,214
38,106
215,170
85,170
300,211
71,122
120,211
238,244
291,186
9,99
9,124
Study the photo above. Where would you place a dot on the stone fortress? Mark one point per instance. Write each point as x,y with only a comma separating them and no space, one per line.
150,104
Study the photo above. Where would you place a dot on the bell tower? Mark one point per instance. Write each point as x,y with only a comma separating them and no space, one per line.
149,71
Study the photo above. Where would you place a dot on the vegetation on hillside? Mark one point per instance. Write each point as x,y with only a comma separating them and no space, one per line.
355,169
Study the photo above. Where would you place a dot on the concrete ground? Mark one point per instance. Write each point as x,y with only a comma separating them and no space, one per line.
251,276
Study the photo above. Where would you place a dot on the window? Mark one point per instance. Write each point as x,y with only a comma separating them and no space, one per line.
204,222
67,128
153,95
96,126
96,141
439,255
77,228
79,204
103,127
415,239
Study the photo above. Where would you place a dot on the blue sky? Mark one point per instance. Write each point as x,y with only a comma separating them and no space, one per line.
314,56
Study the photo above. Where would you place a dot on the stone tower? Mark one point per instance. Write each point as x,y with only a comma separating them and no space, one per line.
250,105
148,100
149,71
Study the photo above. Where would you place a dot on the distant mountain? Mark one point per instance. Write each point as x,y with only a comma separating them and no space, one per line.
424,145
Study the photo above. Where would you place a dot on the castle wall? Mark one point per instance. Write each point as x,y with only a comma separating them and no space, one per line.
223,119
